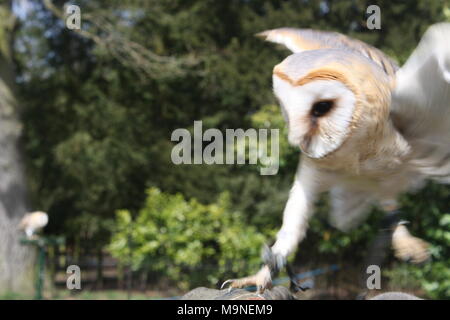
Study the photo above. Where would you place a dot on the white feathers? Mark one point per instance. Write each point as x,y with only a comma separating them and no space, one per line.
350,206
302,40
283,38
398,142
421,103
332,128
33,222
422,93
297,211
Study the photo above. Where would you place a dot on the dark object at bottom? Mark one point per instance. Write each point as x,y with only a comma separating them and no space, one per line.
276,293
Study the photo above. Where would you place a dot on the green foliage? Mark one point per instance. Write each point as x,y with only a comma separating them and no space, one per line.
428,213
435,276
185,240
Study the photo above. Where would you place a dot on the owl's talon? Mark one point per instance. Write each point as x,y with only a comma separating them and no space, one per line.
262,280
409,248
227,282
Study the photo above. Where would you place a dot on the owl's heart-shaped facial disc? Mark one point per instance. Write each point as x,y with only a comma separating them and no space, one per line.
319,114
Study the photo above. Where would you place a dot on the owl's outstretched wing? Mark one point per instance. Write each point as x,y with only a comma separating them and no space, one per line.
298,40
421,103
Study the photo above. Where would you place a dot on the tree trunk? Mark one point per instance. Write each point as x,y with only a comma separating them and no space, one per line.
15,259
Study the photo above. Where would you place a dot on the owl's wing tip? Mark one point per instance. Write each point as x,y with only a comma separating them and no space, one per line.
264,35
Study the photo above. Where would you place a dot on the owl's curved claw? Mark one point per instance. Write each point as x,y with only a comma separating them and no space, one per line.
227,282
262,280
238,283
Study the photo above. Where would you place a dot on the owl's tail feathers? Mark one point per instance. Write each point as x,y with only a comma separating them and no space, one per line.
409,248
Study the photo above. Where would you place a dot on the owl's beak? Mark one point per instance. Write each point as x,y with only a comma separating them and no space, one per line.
304,147
305,144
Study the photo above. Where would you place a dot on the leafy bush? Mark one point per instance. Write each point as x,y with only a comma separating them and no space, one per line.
434,277
430,220
186,241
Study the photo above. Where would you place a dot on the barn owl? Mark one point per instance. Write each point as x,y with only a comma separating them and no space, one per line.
33,222
368,131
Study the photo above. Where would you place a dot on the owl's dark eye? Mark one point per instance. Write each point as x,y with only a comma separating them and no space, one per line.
321,108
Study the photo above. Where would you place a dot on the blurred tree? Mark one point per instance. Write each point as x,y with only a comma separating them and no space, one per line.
15,259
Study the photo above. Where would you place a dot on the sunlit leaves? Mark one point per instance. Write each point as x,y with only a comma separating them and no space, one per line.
184,239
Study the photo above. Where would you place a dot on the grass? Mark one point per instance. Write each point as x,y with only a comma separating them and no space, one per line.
62,294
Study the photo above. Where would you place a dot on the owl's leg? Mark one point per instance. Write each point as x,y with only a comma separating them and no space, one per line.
263,279
380,245
393,232
29,233
295,222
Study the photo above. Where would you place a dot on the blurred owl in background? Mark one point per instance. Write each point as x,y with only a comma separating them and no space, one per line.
368,130
33,222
